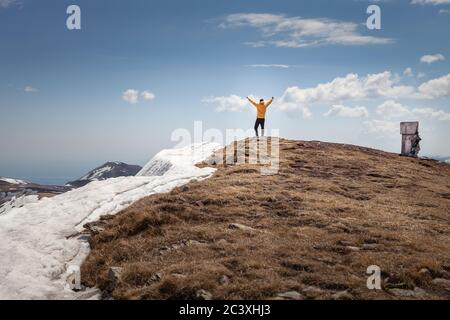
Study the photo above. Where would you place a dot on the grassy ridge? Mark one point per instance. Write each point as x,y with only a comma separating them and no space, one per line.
314,228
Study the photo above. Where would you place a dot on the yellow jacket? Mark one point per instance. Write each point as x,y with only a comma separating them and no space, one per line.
261,108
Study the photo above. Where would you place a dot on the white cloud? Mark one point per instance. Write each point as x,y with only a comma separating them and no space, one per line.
283,66
408,72
431,58
432,2
354,88
255,44
30,89
382,126
435,88
131,96
350,87
391,109
296,32
232,103
347,112
440,115
7,3
444,11
148,95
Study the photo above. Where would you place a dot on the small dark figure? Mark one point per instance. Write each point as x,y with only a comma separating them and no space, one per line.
415,146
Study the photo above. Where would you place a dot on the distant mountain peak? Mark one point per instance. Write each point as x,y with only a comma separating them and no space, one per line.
110,169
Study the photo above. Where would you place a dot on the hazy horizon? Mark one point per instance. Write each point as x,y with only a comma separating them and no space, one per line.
71,100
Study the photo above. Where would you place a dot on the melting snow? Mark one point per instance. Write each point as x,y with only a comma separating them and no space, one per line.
18,202
13,181
36,247
94,176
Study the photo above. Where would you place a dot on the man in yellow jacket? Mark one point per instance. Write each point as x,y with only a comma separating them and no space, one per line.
261,108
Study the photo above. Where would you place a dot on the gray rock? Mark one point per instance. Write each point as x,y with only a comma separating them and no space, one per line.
224,280
203,295
115,275
156,277
96,229
420,292
290,295
442,283
194,243
312,290
424,272
369,246
199,203
345,243
342,295
416,293
89,294
242,227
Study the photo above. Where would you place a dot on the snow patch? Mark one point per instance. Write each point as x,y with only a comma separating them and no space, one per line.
36,246
173,161
13,181
18,202
97,174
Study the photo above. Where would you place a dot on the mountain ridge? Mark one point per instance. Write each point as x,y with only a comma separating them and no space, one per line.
110,169
308,232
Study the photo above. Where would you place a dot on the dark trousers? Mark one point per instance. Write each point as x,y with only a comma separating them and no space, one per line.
259,122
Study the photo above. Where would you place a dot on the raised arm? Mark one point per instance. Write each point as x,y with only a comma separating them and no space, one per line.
252,102
269,102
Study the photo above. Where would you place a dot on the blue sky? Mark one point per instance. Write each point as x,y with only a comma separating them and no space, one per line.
63,107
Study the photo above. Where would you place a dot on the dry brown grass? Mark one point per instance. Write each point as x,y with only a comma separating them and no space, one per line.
330,212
